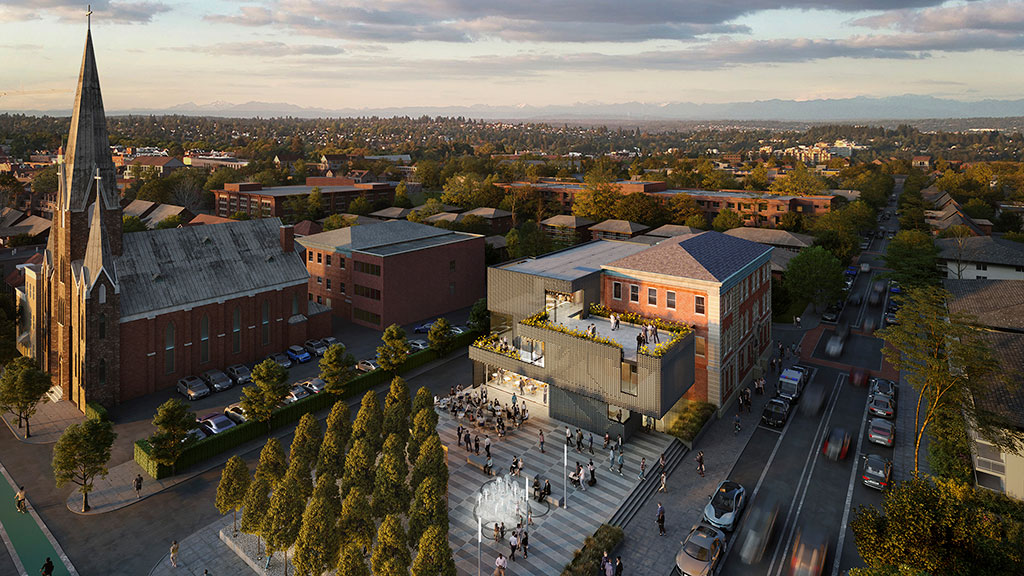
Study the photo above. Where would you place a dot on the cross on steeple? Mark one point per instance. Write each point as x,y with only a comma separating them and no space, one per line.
88,16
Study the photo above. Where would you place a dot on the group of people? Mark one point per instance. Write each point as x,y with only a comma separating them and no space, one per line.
745,400
577,439
519,540
648,335
579,479
541,492
609,568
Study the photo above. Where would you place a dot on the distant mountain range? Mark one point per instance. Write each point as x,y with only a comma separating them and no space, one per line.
908,107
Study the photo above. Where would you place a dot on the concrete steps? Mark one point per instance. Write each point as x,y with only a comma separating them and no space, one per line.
674,454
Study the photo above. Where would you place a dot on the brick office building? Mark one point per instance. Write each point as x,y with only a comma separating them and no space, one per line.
394,272
337,193
118,316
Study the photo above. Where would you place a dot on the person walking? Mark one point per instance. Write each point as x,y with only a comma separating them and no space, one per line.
607,439
661,520
654,333
736,424
513,543
20,501
618,566
643,468
579,440
700,463
618,440
47,569
137,484
590,469
621,461
499,565
174,553
568,436
611,459
609,569
541,441
476,444
663,488
524,540
497,533
487,445
591,440
579,474
458,435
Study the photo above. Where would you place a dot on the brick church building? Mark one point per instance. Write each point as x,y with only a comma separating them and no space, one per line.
115,316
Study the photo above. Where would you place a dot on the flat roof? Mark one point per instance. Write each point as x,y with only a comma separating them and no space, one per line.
420,244
301,190
738,194
578,261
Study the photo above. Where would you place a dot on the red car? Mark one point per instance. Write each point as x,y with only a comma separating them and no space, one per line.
859,376
837,444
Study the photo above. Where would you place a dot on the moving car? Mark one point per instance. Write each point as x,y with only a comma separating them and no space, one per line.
757,531
296,393
775,412
236,413
298,353
367,365
282,360
239,373
423,328
837,341
809,552
315,347
877,289
836,445
315,385
417,345
876,472
858,376
813,400
886,387
882,405
865,267
702,551
193,388
881,431
217,380
216,423
725,506
856,298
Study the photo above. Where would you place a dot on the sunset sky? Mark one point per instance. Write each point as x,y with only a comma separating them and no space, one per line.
343,53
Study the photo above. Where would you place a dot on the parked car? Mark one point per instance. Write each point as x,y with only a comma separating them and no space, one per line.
757,531
791,384
882,405
809,552
881,431
876,472
417,345
893,306
890,319
315,385
315,347
865,243
193,388
456,330
236,413
295,393
194,435
239,373
836,445
725,506
805,372
216,423
894,288
702,551
298,353
832,313
367,365
775,412
883,386
423,328
330,341
217,380
282,360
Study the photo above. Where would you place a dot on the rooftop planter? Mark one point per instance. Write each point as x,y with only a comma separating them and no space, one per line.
676,330
492,342
540,320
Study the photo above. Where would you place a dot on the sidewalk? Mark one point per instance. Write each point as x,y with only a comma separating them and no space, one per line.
25,536
115,491
49,422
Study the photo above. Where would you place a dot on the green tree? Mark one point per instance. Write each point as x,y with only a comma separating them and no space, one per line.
391,555
526,241
799,182
910,256
81,454
359,467
429,508
337,367
396,409
360,206
45,182
393,349
269,388
173,422
430,463
316,547
472,191
255,507
860,216
402,196
315,204
642,208
170,222
221,176
336,221
233,486
440,336
682,207
434,555
698,221
239,215
727,220
22,388
835,234
352,562
391,490
132,224
272,466
332,451
480,317
305,451
757,179
815,275
791,221
356,521
155,190
369,420
284,519
422,399
424,425
598,198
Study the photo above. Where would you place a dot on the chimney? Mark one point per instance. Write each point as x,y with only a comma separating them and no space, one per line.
288,238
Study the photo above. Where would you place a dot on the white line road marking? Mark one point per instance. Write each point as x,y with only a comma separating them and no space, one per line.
849,492
771,429
805,480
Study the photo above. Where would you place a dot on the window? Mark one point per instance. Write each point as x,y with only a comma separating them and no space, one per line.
634,293
295,304
319,258
103,326
367,268
328,259
310,255
698,305
617,290
103,294
319,299
341,262
652,296
319,280
102,372
451,288
980,266
451,265
328,283
342,287
699,346
236,331
265,328
670,300
367,292
204,339
169,348
365,316
327,301
628,381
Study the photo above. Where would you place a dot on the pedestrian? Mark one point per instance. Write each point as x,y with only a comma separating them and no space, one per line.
591,439
524,539
174,553
618,566
643,468
515,399
654,332
798,324
476,444
739,401
639,340
661,520
468,439
513,543
487,445
499,565
749,398
497,533
568,436
609,569
590,468
579,440
541,441
47,569
137,484
700,463
611,459
736,424
618,441
489,466
621,462
663,488
605,560
579,474
19,500
607,438
458,435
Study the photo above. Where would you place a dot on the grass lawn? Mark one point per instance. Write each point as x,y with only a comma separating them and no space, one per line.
795,309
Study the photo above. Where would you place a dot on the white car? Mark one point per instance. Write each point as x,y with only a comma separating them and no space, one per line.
725,506
193,388
236,413
297,392
315,385
417,345
367,365
216,423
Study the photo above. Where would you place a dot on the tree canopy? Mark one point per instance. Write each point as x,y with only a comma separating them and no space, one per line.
81,454
815,276
22,388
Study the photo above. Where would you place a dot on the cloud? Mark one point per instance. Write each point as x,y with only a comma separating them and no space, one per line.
266,49
997,15
72,10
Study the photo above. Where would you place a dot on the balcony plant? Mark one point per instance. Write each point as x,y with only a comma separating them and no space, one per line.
540,320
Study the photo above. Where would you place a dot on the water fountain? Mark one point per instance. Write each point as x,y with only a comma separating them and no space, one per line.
503,500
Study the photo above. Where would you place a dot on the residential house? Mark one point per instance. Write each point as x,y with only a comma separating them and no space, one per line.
566,230
617,230
980,258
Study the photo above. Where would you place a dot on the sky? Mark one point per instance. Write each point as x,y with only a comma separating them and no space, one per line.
333,54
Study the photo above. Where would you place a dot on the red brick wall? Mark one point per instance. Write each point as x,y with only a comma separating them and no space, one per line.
338,276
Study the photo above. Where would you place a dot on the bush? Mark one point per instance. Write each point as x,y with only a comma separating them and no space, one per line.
96,411
692,419
588,560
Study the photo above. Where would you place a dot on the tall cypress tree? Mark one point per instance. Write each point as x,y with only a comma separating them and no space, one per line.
430,462
316,548
284,518
255,508
356,520
434,556
391,555
332,451
359,467
305,451
234,482
429,508
368,422
390,490
424,425
351,562
272,465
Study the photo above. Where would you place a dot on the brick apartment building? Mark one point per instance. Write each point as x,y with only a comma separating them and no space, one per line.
337,193
564,193
756,209
394,272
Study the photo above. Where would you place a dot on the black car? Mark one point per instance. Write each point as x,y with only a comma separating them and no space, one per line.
885,387
775,412
832,313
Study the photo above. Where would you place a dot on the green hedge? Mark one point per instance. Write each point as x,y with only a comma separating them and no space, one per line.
95,411
691,420
283,416
587,561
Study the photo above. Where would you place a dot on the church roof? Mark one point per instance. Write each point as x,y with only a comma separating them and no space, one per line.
165,270
98,256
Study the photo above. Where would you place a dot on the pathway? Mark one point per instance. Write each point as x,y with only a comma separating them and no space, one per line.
26,538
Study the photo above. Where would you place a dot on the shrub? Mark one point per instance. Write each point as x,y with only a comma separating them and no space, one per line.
587,561
692,419
96,411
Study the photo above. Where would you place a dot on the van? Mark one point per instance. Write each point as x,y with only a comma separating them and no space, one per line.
791,383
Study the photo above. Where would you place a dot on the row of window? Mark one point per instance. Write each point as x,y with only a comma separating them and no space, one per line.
652,297
322,257
367,268
367,292
366,316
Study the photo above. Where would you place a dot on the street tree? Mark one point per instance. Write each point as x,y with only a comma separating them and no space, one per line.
356,521
429,508
284,519
815,275
398,396
424,425
393,349
352,561
255,507
910,256
173,422
359,467
234,483
836,234
332,451
727,220
391,555
598,197
337,367
368,423
440,336
272,466
434,554
305,451
81,454
22,388
430,463
316,547
269,388
947,362
791,222
360,206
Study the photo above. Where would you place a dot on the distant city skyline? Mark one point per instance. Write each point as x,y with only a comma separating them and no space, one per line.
399,53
